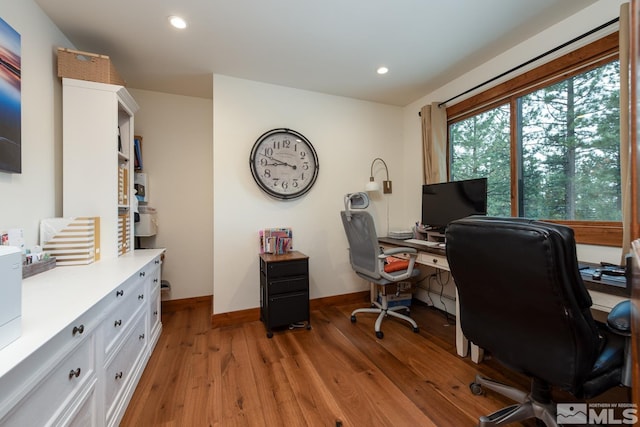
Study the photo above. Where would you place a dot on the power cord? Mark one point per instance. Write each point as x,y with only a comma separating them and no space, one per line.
438,278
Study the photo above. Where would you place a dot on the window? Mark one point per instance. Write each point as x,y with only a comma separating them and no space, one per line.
550,147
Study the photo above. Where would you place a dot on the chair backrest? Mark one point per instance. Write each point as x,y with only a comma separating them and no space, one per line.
522,298
363,242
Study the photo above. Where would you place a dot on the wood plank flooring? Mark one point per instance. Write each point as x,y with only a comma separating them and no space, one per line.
337,373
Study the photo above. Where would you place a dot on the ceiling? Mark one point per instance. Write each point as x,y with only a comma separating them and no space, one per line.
328,46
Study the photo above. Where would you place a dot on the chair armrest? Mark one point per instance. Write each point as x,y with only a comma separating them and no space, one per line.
619,318
413,255
394,251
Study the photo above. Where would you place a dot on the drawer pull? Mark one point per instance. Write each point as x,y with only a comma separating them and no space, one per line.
77,330
142,273
74,373
141,337
157,261
435,260
141,297
155,280
155,313
117,323
119,293
118,375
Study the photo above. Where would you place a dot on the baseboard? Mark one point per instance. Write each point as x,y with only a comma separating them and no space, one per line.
252,314
172,305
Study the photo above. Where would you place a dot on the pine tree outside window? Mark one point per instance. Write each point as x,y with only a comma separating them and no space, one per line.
550,150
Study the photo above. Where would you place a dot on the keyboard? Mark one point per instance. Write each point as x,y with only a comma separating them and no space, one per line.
423,243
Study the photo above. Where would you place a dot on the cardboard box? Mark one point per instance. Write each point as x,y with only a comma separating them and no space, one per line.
393,300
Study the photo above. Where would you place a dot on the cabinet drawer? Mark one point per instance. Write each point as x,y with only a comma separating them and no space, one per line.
57,390
287,268
292,284
154,312
120,370
85,414
122,313
288,308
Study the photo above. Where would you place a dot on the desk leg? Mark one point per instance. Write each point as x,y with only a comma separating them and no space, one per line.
477,353
462,344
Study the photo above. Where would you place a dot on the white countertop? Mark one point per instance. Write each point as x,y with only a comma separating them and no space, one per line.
52,300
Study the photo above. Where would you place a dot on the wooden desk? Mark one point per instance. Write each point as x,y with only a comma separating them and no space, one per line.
603,294
436,257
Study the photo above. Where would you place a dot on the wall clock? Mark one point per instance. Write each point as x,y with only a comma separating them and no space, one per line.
283,163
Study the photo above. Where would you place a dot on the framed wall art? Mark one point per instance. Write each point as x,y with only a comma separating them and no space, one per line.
10,100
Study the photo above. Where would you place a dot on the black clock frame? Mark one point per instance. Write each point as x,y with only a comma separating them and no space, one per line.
268,189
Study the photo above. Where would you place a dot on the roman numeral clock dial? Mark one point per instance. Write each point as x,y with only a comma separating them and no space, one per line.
284,164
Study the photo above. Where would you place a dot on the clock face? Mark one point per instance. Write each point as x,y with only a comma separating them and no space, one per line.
284,163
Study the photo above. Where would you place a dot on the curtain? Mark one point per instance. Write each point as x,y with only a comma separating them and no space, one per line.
434,143
625,155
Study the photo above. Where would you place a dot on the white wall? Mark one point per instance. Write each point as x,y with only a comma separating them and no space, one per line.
177,135
347,135
36,193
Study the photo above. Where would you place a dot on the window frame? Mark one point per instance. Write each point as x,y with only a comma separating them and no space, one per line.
583,59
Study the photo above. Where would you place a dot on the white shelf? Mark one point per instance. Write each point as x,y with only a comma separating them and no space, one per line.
97,176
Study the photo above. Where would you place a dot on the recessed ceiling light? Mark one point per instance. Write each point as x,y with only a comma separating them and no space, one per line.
383,70
178,22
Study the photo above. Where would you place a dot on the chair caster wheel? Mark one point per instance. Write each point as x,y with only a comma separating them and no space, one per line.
476,389
353,318
416,330
379,334
269,334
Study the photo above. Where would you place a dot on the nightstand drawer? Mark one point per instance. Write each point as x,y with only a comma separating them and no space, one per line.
288,268
289,285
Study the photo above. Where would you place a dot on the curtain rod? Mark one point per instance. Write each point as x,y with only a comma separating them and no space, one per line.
555,49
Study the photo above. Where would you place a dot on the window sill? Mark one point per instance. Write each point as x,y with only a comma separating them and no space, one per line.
601,233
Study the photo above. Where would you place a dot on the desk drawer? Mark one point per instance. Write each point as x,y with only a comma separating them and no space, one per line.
437,261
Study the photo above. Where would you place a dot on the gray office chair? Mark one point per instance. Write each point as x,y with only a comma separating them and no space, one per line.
368,260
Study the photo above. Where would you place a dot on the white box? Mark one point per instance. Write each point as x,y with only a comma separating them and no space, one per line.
10,294
147,226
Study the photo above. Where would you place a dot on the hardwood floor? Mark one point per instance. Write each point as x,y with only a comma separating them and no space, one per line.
337,372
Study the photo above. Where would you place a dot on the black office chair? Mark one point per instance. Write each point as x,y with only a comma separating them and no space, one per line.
523,300
368,261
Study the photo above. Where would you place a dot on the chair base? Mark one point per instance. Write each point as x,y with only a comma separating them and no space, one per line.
526,408
382,313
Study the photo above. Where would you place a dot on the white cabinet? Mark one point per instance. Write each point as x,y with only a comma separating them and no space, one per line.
88,334
97,177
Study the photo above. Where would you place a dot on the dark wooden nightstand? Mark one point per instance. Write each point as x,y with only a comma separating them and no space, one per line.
284,290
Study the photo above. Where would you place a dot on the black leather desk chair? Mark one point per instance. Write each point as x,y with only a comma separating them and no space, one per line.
523,300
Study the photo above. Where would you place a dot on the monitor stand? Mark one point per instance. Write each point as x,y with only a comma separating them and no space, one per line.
435,235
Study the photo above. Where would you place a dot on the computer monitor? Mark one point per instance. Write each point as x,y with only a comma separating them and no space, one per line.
447,201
